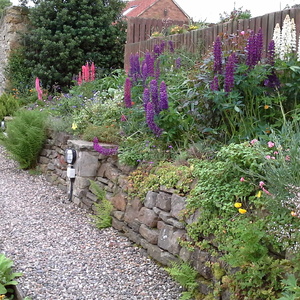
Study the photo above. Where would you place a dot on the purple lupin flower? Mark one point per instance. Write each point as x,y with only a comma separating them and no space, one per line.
127,93
149,59
163,104
135,70
218,56
103,150
154,95
144,71
229,73
178,62
272,80
214,86
171,46
150,120
259,45
156,51
146,97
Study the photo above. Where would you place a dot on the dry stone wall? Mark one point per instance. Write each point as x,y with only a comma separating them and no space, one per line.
13,23
154,223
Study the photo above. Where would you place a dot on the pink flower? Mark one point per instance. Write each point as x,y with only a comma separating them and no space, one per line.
242,32
267,192
261,184
268,157
253,141
273,157
287,158
242,179
276,152
271,144
38,88
123,118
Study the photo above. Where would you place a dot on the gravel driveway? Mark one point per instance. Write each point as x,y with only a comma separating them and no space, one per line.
62,255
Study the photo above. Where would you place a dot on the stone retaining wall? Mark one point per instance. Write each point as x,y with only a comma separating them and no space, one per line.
153,223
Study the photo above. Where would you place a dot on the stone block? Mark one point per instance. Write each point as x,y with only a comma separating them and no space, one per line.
168,239
160,255
81,182
119,215
86,164
91,197
116,224
103,169
151,235
175,223
199,262
178,204
165,216
148,217
132,210
119,201
164,201
185,254
135,225
150,199
112,173
132,235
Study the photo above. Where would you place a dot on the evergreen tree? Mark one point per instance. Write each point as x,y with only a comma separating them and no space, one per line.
65,34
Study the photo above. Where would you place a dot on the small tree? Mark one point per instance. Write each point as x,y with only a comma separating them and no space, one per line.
4,4
66,34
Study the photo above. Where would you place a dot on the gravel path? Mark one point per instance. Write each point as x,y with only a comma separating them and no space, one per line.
62,255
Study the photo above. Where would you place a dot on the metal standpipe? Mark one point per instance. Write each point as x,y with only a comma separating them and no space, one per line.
70,158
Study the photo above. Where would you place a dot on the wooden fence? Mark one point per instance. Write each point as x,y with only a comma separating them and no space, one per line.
190,41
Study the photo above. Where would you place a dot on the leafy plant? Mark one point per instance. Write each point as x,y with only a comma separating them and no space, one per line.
291,288
186,276
102,218
25,137
7,276
8,105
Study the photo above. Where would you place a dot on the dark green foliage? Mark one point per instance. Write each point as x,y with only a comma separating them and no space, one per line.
8,105
4,4
66,34
25,137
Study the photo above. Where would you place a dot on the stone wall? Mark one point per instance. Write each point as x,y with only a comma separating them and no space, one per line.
154,223
13,22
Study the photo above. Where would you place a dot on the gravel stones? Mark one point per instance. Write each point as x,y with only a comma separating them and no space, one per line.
61,254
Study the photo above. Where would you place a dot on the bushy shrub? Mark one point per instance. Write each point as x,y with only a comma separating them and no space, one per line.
8,105
25,137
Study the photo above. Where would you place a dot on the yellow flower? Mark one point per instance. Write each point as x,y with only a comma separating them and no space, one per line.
293,214
242,211
237,204
258,195
266,106
74,126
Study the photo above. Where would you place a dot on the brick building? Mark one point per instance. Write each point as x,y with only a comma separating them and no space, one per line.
155,9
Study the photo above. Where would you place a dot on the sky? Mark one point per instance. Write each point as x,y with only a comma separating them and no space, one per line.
209,10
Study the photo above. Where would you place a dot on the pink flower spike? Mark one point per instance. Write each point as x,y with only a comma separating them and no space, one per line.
271,144
261,184
38,88
253,141
242,179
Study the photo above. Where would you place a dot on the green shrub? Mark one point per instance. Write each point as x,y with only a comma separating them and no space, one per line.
6,275
8,105
103,218
25,137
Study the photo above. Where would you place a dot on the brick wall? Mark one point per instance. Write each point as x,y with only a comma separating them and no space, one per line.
165,9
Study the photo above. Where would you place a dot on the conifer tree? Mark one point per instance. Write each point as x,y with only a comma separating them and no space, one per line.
65,34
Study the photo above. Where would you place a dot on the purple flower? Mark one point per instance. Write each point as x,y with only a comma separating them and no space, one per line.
178,63
229,73
171,46
135,70
218,56
146,97
254,48
214,86
154,95
150,120
156,50
149,60
272,80
102,150
127,93
163,96
144,71
271,53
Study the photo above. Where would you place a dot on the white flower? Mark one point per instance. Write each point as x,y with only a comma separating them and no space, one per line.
288,37
277,39
293,35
